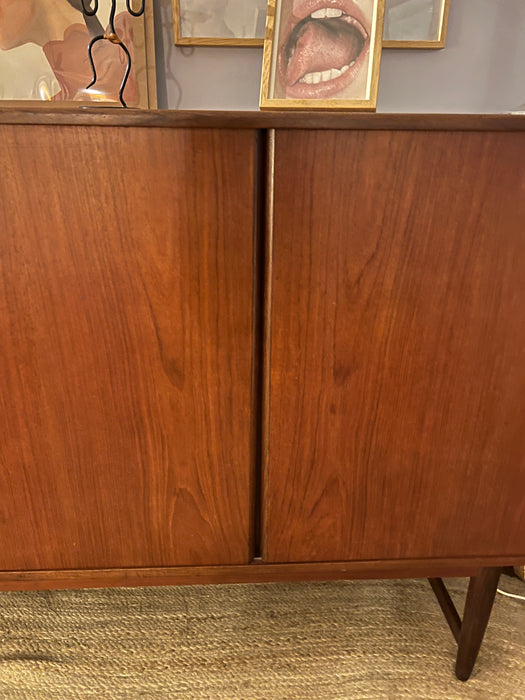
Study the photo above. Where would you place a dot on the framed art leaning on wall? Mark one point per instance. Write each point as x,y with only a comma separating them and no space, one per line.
44,54
322,54
219,22
415,24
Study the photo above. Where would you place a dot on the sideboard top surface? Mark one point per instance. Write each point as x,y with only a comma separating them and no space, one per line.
115,116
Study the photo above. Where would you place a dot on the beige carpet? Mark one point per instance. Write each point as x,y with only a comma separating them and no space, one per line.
381,639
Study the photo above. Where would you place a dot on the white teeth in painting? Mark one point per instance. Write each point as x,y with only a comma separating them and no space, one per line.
326,12
325,75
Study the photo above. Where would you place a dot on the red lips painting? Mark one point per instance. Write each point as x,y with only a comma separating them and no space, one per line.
322,54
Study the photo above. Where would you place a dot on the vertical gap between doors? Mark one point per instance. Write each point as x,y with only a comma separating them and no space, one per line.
263,215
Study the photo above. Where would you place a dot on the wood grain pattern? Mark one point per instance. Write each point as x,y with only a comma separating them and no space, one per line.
398,347
255,572
114,116
126,347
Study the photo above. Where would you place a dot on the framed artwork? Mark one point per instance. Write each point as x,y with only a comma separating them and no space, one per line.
322,54
415,24
49,65
219,22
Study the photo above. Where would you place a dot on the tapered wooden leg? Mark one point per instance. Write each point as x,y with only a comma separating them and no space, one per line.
478,606
447,606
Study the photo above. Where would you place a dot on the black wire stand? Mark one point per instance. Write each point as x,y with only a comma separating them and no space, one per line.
111,36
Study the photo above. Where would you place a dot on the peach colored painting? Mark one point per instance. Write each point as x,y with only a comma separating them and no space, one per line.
43,52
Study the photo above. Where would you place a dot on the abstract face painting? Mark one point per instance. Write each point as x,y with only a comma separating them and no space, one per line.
322,54
43,53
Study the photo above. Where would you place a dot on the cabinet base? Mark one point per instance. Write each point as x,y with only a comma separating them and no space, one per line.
255,572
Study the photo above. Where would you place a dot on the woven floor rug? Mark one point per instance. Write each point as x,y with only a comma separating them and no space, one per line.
345,640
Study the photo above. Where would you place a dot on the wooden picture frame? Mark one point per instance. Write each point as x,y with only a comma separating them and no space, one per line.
219,22
420,24
56,74
300,79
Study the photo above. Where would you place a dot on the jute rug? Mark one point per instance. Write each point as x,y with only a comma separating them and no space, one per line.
347,640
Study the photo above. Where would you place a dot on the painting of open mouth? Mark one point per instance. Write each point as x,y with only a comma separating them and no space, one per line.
323,50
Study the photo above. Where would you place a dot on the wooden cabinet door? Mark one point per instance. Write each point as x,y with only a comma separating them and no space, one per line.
125,347
397,372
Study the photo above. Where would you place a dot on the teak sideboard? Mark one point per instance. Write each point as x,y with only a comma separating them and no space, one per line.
247,347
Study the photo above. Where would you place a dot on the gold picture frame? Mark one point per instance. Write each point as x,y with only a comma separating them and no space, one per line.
56,74
435,24
287,83
219,22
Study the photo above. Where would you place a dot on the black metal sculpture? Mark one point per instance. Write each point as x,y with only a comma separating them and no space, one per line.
111,35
